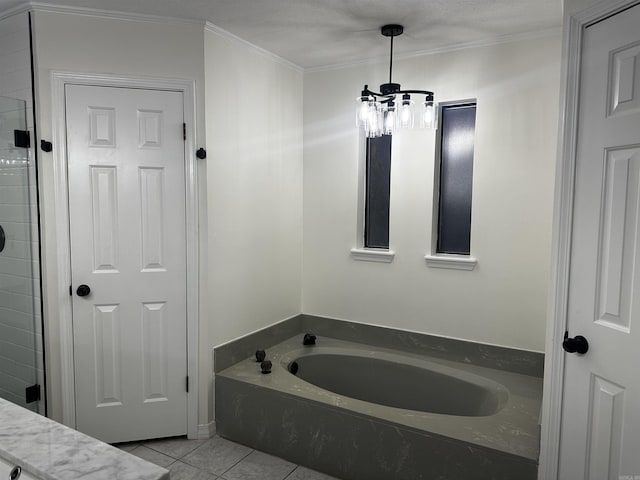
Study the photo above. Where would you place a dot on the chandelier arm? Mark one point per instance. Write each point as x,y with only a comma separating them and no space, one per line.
382,98
417,92
367,91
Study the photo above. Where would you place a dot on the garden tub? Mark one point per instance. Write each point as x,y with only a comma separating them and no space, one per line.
366,413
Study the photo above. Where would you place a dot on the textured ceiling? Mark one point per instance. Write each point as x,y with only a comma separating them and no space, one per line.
313,33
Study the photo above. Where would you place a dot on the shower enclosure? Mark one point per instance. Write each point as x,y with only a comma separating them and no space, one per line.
21,357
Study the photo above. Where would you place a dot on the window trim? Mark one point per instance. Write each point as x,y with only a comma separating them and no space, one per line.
379,255
451,261
436,259
360,252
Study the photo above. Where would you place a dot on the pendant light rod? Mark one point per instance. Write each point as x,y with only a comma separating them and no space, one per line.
391,60
391,30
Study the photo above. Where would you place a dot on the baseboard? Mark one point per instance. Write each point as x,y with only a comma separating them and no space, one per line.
206,430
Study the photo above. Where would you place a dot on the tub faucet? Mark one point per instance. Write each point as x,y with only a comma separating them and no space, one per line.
309,339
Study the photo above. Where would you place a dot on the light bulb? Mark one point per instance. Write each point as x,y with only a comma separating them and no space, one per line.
405,116
371,124
390,119
428,112
428,116
363,103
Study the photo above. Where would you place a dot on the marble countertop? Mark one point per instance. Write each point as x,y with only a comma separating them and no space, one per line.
51,451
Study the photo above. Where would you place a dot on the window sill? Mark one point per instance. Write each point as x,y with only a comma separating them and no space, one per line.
454,262
371,255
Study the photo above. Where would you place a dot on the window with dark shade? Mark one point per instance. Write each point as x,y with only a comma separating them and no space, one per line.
378,189
457,131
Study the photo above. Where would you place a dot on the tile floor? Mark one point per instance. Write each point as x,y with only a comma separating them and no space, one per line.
217,459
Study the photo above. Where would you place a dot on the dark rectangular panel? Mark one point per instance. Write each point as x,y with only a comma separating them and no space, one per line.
457,132
378,183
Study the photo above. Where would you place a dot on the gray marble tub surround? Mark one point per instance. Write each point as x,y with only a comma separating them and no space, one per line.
502,358
353,447
491,356
52,451
239,349
283,415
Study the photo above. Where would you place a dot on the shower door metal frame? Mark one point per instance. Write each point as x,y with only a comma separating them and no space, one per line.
63,261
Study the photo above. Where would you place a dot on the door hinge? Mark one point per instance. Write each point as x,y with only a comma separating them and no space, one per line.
187,384
184,131
32,393
21,139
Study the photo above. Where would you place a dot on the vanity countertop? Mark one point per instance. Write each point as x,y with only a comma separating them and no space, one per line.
51,451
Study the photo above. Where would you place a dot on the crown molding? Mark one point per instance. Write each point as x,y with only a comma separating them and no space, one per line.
100,13
486,42
210,27
17,10
140,17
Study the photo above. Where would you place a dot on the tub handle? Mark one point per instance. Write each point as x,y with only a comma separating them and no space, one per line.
309,339
260,355
266,366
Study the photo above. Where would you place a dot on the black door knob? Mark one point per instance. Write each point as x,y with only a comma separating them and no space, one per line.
577,344
83,290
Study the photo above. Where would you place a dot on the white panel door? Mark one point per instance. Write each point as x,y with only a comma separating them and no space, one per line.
127,220
600,435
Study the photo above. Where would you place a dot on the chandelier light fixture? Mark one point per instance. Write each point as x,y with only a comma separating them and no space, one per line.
381,113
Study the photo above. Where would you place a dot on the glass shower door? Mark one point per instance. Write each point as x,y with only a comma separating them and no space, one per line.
20,330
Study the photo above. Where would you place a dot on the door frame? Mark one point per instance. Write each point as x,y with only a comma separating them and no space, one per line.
58,112
573,30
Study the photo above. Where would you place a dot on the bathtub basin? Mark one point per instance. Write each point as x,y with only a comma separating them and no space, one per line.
443,390
358,412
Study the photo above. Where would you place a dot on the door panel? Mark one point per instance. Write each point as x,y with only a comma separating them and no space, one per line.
624,89
127,220
619,228
600,430
605,434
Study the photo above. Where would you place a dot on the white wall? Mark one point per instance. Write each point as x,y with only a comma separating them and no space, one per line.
571,7
250,184
503,300
21,359
85,44
254,144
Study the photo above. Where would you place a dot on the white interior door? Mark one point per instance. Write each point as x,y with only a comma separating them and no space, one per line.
127,229
600,432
